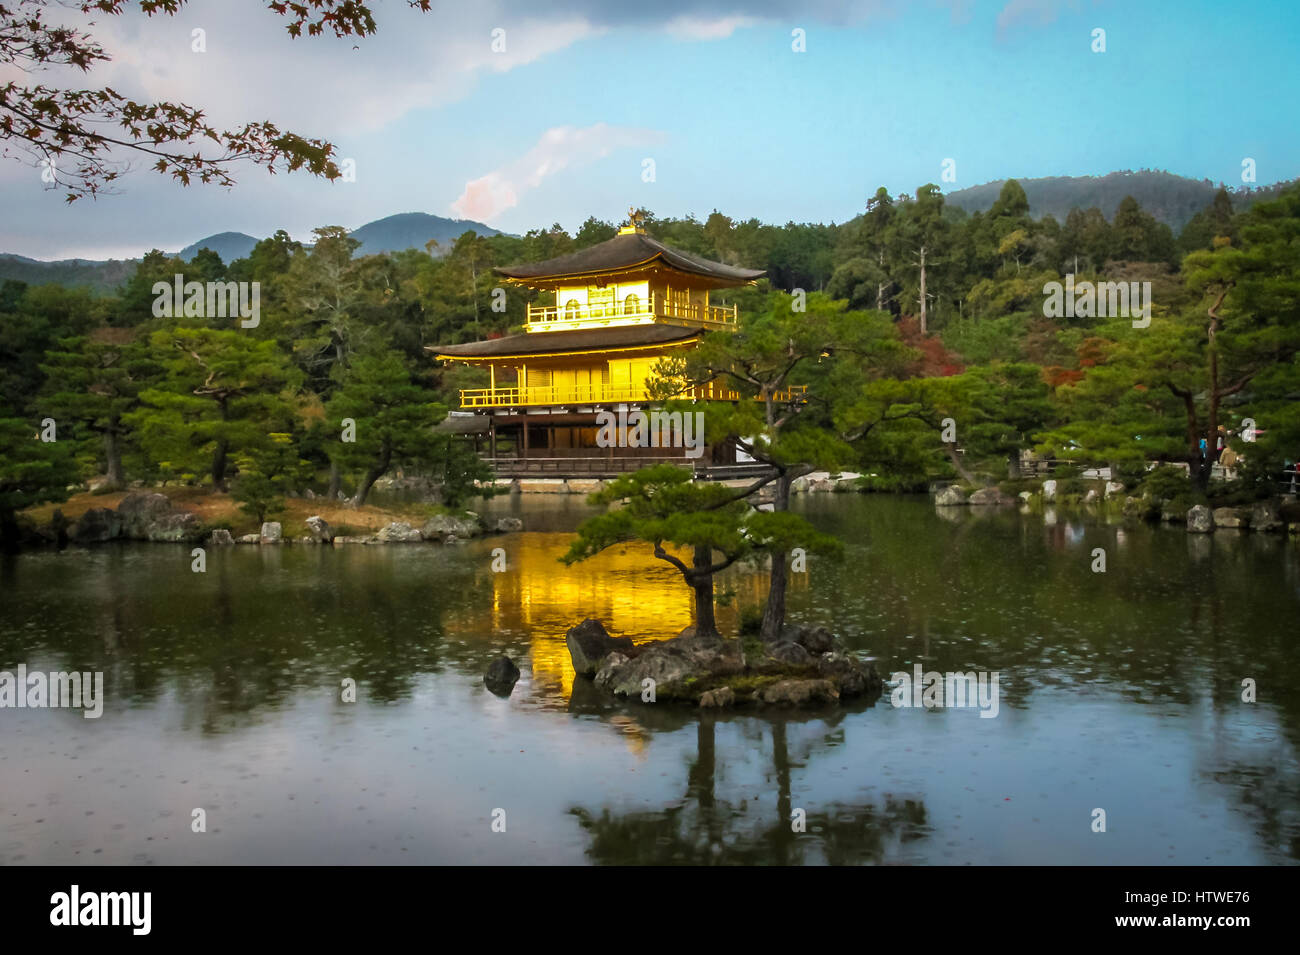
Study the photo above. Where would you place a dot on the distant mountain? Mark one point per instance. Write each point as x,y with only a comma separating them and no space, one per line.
228,245
99,276
407,230
1172,199
411,230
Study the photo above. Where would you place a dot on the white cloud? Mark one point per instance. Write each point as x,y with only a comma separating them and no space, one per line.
687,27
558,148
317,86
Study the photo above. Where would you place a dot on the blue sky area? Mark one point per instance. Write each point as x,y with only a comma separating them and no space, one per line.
557,127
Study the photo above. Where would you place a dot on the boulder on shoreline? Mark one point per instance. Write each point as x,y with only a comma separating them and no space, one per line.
1200,520
816,640
1230,517
1264,517
589,644
670,663
149,516
991,496
97,525
399,532
442,526
320,529
950,496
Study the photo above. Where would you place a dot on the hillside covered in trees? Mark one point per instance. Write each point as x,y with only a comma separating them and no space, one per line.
1171,199
957,305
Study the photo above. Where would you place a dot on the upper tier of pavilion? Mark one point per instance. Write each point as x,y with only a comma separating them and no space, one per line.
631,279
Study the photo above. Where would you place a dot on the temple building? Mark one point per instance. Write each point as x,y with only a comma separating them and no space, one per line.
619,307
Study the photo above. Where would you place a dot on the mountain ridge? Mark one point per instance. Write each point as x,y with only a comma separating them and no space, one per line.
394,233
1170,198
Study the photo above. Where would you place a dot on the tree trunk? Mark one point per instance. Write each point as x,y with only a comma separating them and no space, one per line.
113,458
219,455
955,458
373,475
336,480
219,465
774,612
702,585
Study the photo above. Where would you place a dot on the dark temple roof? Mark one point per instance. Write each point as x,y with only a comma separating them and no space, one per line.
623,252
583,339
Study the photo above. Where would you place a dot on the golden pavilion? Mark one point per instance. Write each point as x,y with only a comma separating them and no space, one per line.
619,307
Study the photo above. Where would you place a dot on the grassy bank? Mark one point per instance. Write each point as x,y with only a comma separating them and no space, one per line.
216,509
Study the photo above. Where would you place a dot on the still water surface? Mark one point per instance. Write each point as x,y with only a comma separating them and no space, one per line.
1119,690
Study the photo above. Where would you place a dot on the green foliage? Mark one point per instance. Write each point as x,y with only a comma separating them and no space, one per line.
267,475
32,471
663,505
460,473
222,392
345,336
391,418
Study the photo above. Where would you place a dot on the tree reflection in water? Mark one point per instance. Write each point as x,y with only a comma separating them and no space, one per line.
706,828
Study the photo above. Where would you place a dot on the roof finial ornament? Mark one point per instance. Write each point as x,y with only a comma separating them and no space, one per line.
635,219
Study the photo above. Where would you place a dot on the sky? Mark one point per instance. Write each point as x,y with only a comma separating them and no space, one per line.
586,107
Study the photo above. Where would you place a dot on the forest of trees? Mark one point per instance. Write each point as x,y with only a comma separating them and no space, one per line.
940,314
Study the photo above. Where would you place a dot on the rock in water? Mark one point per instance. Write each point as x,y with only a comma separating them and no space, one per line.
220,537
850,677
1264,517
509,525
1200,520
501,676
589,644
1229,517
271,532
950,497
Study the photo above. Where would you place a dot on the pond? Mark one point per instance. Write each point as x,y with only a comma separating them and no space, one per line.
1119,690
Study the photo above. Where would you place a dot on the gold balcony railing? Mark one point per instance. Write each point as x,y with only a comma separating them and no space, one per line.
630,311
595,394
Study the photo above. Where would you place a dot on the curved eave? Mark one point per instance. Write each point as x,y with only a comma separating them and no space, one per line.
656,263
524,356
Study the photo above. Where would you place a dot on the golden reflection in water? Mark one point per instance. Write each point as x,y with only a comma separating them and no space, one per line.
625,588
